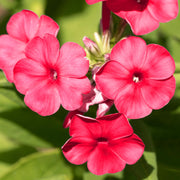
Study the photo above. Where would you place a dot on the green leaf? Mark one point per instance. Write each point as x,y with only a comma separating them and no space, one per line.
28,128
164,125
146,167
166,172
40,166
9,92
6,145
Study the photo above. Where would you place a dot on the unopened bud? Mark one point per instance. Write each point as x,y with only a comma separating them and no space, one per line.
98,40
106,42
91,46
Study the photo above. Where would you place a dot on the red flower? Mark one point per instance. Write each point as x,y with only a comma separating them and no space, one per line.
21,28
49,77
107,143
143,16
138,78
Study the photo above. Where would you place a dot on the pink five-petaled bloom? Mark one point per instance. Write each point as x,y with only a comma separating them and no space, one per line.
106,143
50,76
21,28
143,16
138,77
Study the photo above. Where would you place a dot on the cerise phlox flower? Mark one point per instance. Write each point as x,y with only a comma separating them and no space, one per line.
138,77
106,143
143,16
21,28
49,77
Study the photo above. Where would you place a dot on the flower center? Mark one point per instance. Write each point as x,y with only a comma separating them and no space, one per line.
102,139
137,77
53,74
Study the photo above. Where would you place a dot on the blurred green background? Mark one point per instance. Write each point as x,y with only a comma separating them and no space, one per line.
30,144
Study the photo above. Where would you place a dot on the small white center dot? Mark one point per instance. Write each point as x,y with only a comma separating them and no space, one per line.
53,74
138,1
135,79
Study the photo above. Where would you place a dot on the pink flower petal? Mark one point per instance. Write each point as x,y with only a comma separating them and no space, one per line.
35,50
77,149
51,49
104,107
72,60
47,25
43,99
102,160
159,63
141,22
44,50
131,102
11,50
158,93
82,126
93,1
71,90
23,25
28,74
130,149
115,126
129,52
87,100
163,10
94,97
69,117
111,78
136,14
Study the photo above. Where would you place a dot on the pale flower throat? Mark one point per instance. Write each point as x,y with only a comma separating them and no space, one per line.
53,74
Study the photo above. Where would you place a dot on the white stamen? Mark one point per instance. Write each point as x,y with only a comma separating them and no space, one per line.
138,1
135,79
54,75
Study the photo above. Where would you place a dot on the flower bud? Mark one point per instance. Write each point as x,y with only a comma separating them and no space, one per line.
91,46
106,42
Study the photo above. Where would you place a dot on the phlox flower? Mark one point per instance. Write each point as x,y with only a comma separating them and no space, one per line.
138,77
143,16
21,28
107,143
50,76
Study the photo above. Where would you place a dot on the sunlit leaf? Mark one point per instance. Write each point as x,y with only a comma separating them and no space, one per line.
40,166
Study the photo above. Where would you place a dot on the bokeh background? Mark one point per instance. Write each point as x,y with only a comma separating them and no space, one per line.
30,144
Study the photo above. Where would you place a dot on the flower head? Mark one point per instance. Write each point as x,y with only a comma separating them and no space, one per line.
21,28
143,16
49,77
107,143
138,77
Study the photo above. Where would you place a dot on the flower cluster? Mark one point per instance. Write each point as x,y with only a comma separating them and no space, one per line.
46,75
133,76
